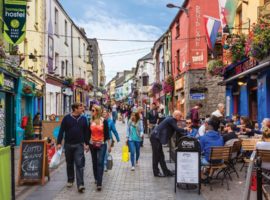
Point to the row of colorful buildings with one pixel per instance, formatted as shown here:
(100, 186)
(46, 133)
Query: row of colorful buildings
(181, 70)
(55, 65)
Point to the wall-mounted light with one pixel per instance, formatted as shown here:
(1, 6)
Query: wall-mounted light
(241, 83)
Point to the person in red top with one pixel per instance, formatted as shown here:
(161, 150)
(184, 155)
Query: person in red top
(99, 135)
(194, 115)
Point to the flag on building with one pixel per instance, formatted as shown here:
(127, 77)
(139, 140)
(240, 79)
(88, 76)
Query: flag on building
(212, 26)
(227, 11)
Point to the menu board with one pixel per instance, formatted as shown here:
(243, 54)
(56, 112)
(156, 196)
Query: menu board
(2, 121)
(33, 161)
(188, 167)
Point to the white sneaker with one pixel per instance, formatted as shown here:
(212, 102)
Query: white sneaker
(133, 168)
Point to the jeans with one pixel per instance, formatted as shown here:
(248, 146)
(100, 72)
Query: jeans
(158, 157)
(106, 156)
(98, 156)
(114, 116)
(134, 146)
(75, 154)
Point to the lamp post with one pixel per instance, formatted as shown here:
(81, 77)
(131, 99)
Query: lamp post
(170, 5)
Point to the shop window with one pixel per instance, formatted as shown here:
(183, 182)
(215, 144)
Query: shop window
(239, 19)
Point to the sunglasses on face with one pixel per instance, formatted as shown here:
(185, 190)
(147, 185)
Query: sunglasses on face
(188, 122)
(93, 110)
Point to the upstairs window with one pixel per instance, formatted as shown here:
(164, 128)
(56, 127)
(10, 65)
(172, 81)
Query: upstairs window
(177, 29)
(56, 23)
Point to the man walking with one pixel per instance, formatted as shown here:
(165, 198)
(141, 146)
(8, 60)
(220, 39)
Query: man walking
(162, 135)
(75, 128)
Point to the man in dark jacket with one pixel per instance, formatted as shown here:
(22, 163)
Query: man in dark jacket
(77, 135)
(162, 135)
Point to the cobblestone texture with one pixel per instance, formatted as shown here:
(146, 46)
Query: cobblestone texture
(122, 184)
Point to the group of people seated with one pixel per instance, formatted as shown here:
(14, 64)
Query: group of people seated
(216, 131)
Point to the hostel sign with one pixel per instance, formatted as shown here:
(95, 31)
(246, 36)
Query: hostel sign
(14, 21)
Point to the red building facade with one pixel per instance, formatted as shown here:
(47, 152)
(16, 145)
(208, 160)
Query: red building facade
(189, 56)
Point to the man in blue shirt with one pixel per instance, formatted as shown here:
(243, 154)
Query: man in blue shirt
(211, 138)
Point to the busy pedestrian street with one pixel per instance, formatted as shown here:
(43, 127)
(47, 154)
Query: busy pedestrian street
(135, 99)
(122, 183)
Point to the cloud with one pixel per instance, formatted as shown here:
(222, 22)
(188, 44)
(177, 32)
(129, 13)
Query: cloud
(99, 23)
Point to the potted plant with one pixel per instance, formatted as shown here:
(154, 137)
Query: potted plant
(29, 130)
(27, 89)
(215, 67)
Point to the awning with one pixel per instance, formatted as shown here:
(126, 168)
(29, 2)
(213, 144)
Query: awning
(247, 72)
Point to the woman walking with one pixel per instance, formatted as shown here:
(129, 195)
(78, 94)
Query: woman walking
(99, 136)
(134, 137)
(114, 112)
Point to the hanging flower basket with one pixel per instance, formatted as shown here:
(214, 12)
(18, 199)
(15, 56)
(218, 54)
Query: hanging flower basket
(27, 89)
(156, 88)
(168, 84)
(68, 82)
(215, 67)
(259, 38)
(80, 82)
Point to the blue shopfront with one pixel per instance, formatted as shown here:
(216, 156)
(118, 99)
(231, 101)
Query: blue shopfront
(248, 89)
(25, 106)
(8, 83)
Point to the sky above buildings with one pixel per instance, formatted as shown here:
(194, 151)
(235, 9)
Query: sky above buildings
(124, 20)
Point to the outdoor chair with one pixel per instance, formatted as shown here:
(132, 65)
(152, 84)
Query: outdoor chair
(235, 150)
(248, 145)
(219, 159)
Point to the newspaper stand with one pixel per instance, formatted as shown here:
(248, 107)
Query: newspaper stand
(188, 164)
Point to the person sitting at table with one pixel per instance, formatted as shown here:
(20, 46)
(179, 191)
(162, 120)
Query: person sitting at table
(190, 130)
(265, 143)
(236, 119)
(202, 130)
(212, 138)
(246, 127)
(229, 135)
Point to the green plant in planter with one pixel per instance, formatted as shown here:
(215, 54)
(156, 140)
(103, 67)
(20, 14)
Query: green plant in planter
(215, 67)
(238, 46)
(29, 130)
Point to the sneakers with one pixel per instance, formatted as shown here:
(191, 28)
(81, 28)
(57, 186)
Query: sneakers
(81, 189)
(69, 184)
(133, 168)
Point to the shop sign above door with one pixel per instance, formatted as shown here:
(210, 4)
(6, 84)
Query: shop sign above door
(7, 83)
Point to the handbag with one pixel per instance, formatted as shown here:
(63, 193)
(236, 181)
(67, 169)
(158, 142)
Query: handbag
(125, 153)
(96, 145)
(109, 162)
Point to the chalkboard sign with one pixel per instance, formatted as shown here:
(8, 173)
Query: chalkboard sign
(188, 162)
(33, 164)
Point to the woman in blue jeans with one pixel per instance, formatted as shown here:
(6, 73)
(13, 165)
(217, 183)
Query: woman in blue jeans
(134, 137)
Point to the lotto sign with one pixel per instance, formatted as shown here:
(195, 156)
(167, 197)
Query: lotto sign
(14, 21)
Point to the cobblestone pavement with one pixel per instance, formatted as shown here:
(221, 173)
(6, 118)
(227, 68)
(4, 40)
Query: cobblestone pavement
(122, 183)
